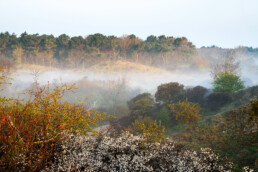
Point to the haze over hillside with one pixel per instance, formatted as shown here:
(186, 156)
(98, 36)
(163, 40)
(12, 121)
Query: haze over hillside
(139, 85)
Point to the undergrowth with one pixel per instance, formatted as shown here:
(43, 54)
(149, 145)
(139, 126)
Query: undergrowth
(30, 129)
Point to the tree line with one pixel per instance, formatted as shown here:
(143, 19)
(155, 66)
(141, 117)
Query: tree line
(82, 51)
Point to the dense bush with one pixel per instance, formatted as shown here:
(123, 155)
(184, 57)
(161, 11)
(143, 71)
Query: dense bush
(218, 99)
(243, 96)
(196, 94)
(254, 110)
(231, 134)
(141, 105)
(30, 130)
(126, 153)
(149, 129)
(169, 92)
(186, 112)
(164, 117)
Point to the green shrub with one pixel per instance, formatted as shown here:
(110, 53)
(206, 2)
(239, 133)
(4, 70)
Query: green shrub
(164, 117)
(227, 82)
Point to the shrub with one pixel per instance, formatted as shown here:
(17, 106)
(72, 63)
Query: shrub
(196, 94)
(227, 82)
(218, 99)
(30, 130)
(231, 134)
(186, 112)
(254, 110)
(169, 93)
(149, 129)
(141, 105)
(164, 117)
(125, 153)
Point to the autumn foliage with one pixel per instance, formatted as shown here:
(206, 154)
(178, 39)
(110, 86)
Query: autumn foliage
(149, 129)
(169, 92)
(31, 129)
(231, 134)
(186, 112)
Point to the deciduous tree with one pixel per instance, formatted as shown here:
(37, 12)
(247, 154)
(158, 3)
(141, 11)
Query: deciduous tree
(227, 82)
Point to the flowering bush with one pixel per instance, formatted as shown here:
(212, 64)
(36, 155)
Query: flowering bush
(125, 153)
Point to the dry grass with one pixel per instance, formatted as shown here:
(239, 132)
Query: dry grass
(35, 67)
(125, 66)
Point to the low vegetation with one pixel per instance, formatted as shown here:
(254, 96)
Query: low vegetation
(149, 129)
(186, 112)
(31, 129)
(176, 129)
(226, 122)
(128, 153)
(232, 134)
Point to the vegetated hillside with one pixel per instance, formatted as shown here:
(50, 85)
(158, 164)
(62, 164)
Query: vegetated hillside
(199, 118)
(46, 131)
(233, 134)
(194, 115)
(240, 98)
(125, 66)
(231, 130)
(35, 67)
(147, 118)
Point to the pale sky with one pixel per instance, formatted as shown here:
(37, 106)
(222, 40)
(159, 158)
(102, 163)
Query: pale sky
(225, 23)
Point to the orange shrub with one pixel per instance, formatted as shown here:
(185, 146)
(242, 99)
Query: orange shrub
(31, 129)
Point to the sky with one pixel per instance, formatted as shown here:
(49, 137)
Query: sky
(224, 23)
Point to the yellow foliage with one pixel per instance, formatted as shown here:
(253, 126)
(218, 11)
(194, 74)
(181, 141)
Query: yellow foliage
(3, 78)
(186, 112)
(33, 127)
(151, 131)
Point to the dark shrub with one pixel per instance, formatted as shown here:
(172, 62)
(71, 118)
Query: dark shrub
(141, 105)
(218, 99)
(196, 94)
(169, 93)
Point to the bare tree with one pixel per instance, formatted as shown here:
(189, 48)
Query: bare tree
(114, 93)
(229, 64)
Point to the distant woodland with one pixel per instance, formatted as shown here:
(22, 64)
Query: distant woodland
(73, 52)
(78, 51)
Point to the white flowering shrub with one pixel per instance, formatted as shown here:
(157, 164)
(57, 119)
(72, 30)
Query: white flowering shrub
(127, 153)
